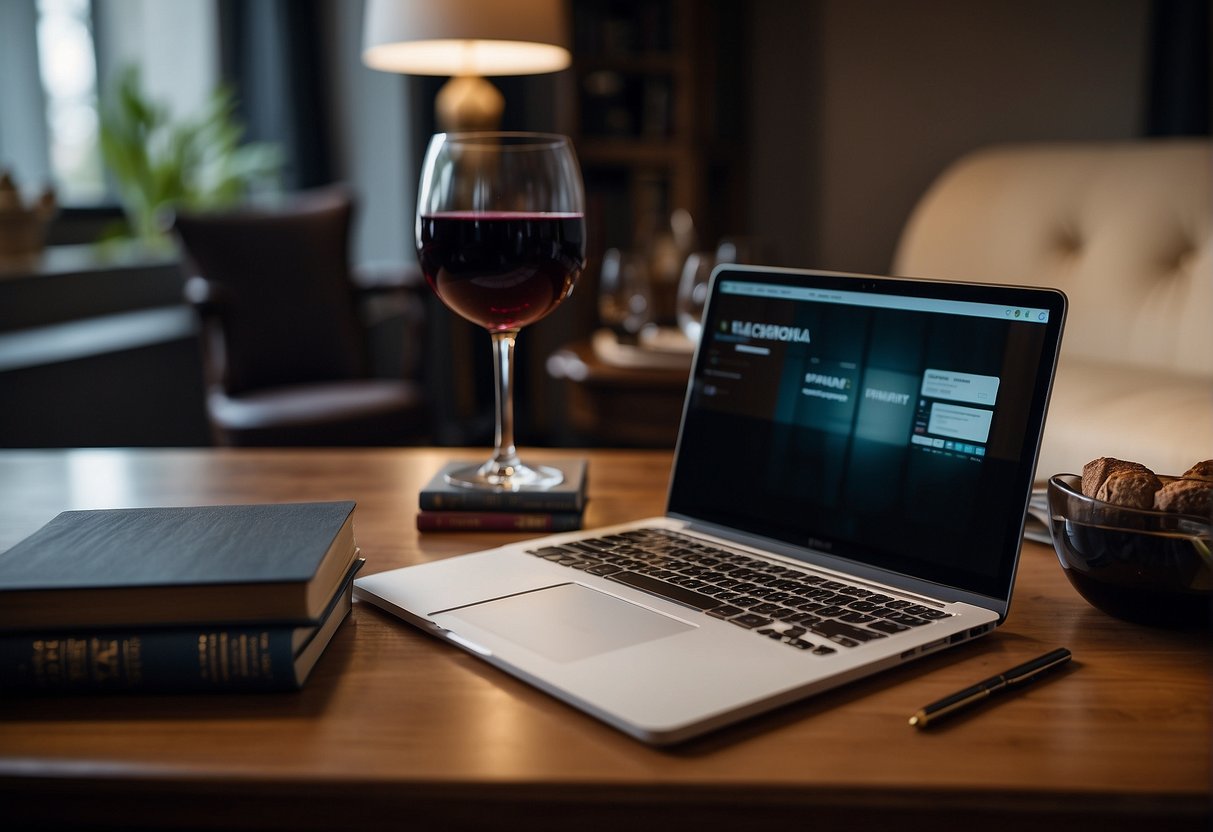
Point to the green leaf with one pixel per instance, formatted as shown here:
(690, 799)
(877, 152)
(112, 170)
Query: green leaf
(197, 162)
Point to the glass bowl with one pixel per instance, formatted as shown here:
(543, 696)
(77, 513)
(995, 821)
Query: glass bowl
(1148, 567)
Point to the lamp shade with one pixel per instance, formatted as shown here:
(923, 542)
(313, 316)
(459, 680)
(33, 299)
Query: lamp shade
(465, 37)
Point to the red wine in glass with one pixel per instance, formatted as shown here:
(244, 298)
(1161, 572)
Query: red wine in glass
(501, 240)
(501, 270)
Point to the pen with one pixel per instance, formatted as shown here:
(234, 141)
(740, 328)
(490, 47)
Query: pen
(1016, 676)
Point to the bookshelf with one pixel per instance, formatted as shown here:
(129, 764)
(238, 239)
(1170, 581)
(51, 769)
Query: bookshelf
(657, 117)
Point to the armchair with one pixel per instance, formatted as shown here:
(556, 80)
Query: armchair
(284, 349)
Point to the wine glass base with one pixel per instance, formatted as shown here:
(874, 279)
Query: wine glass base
(493, 476)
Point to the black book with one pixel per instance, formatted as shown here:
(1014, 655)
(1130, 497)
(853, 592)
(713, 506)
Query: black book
(198, 659)
(569, 496)
(150, 567)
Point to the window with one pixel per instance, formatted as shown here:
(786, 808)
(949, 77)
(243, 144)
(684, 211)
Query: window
(57, 58)
(67, 62)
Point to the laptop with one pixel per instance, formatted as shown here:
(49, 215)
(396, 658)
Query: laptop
(849, 489)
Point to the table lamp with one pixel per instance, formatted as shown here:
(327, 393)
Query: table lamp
(466, 39)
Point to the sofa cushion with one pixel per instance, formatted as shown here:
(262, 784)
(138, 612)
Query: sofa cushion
(1126, 231)
(1163, 420)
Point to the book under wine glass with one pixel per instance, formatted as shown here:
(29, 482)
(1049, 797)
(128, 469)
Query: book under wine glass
(456, 508)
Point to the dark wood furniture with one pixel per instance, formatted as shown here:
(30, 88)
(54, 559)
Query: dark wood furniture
(100, 330)
(397, 729)
(284, 343)
(617, 405)
(658, 116)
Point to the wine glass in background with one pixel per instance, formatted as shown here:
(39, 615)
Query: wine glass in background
(693, 292)
(697, 273)
(501, 241)
(624, 300)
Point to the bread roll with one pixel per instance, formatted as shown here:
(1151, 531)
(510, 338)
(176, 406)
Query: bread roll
(1200, 471)
(1130, 487)
(1186, 497)
(1097, 471)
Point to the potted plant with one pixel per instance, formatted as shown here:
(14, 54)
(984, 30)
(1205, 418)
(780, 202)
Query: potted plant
(159, 164)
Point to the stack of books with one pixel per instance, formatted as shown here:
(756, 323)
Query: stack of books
(205, 598)
(446, 507)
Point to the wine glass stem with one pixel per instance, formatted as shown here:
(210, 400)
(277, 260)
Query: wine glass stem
(505, 454)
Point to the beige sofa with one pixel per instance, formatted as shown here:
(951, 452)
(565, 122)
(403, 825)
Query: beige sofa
(1126, 231)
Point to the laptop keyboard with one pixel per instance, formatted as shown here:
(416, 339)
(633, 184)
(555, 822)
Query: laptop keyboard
(805, 611)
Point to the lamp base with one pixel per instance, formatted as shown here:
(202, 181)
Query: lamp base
(468, 102)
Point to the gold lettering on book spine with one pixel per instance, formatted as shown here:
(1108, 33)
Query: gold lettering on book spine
(47, 660)
(75, 660)
(225, 658)
(105, 660)
(204, 657)
(242, 656)
(72, 662)
(132, 655)
(267, 660)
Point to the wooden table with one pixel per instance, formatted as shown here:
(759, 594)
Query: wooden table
(397, 728)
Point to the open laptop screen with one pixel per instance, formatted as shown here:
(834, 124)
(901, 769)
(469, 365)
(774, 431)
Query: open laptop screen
(890, 422)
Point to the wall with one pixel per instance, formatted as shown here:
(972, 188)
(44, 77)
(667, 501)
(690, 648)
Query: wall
(23, 139)
(174, 44)
(372, 142)
(859, 104)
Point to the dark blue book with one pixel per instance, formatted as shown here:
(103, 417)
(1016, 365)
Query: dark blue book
(569, 496)
(154, 567)
(232, 659)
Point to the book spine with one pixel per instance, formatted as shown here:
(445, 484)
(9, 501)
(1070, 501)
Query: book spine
(516, 501)
(237, 659)
(499, 521)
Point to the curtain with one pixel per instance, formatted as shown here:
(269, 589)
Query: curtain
(273, 56)
(1178, 96)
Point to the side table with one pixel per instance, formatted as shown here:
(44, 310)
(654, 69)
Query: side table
(623, 404)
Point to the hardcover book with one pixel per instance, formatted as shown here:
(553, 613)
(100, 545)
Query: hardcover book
(234, 659)
(569, 496)
(499, 521)
(145, 567)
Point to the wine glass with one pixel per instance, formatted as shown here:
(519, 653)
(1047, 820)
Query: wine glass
(696, 277)
(693, 292)
(501, 241)
(624, 301)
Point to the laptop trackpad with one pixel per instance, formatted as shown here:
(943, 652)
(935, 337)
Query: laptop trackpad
(564, 623)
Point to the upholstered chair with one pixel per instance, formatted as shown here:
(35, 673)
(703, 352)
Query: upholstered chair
(284, 342)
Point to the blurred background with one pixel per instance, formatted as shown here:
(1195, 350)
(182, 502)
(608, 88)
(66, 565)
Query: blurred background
(788, 132)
